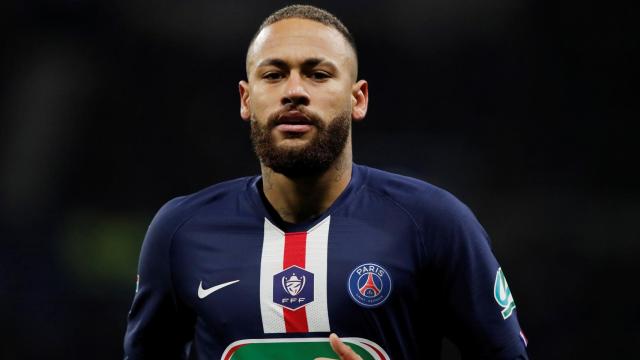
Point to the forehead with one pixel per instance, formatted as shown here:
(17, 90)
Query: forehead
(298, 39)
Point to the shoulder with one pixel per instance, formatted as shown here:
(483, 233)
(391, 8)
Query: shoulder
(449, 229)
(429, 205)
(180, 209)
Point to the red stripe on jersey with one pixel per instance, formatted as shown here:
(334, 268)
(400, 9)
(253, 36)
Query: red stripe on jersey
(295, 250)
(295, 321)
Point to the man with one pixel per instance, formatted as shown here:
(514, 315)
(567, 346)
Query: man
(267, 267)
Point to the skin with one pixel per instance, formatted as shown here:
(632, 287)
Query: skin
(343, 351)
(303, 62)
(309, 64)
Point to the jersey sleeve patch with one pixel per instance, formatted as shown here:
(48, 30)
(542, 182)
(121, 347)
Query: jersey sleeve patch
(502, 294)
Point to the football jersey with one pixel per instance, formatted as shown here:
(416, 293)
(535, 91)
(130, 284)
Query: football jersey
(393, 266)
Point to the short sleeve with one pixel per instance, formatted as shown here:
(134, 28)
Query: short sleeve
(479, 314)
(158, 325)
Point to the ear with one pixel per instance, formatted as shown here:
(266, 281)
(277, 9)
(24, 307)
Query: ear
(360, 100)
(245, 110)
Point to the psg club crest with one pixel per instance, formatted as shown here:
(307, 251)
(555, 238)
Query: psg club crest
(369, 285)
(293, 287)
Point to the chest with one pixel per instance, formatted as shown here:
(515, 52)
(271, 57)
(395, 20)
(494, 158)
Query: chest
(252, 279)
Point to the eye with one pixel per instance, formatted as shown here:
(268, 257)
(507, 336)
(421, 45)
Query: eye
(272, 76)
(319, 75)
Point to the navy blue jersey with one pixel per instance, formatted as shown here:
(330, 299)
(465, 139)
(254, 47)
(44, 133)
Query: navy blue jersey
(393, 266)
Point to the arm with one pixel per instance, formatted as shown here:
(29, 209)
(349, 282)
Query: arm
(480, 311)
(158, 325)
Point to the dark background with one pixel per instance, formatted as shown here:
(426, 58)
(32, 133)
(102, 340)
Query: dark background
(523, 109)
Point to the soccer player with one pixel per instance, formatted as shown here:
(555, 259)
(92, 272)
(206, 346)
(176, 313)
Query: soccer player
(267, 267)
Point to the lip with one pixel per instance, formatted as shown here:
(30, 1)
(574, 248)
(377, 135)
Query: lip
(293, 121)
(294, 128)
(293, 117)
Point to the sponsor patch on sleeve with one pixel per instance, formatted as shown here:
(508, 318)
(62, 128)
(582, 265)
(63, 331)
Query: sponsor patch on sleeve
(502, 294)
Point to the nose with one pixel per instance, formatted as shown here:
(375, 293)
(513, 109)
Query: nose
(295, 92)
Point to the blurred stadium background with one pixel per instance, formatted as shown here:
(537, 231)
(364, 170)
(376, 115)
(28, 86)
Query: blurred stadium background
(523, 109)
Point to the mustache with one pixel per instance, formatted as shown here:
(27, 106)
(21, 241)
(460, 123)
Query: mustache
(309, 117)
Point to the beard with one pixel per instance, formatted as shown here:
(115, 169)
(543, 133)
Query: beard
(311, 159)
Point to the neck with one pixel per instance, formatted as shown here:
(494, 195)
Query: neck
(302, 198)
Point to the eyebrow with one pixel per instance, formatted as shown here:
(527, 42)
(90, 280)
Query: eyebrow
(308, 63)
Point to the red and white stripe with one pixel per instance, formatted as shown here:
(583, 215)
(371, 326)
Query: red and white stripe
(524, 339)
(307, 250)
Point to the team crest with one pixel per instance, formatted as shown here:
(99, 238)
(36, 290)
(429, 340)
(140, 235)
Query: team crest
(369, 285)
(502, 294)
(293, 287)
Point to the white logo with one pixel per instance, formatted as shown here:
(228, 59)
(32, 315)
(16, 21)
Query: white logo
(202, 293)
(293, 285)
(502, 294)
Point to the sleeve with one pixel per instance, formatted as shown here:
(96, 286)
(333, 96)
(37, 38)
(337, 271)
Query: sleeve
(480, 316)
(159, 326)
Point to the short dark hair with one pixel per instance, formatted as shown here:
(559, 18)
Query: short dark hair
(310, 13)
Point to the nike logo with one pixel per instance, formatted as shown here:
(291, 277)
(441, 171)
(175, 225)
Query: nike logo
(202, 293)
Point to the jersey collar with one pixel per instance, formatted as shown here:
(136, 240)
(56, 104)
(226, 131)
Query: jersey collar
(264, 208)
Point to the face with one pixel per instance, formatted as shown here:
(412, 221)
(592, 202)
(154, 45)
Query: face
(301, 96)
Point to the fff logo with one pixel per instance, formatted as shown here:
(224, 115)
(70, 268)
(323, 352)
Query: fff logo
(293, 287)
